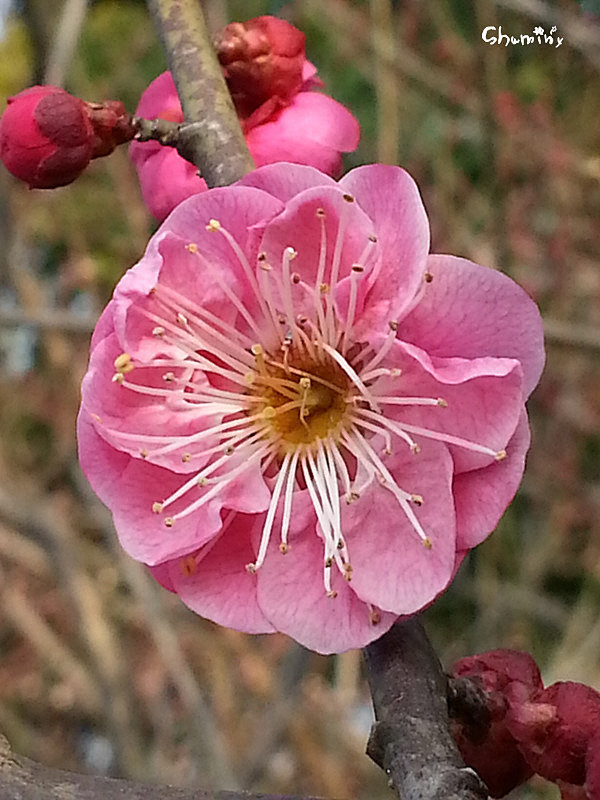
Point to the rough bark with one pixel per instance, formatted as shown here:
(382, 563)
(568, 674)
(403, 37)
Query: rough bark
(411, 737)
(23, 779)
(213, 139)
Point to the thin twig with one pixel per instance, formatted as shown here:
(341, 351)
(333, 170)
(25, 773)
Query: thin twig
(214, 140)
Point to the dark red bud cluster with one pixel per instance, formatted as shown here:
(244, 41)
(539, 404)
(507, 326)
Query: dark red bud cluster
(262, 61)
(495, 755)
(48, 136)
(553, 731)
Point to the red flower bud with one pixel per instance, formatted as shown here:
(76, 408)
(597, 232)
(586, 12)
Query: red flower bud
(498, 668)
(555, 729)
(592, 768)
(111, 124)
(46, 137)
(262, 60)
(506, 676)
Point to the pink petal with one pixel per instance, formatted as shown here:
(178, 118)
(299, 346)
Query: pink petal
(285, 181)
(130, 487)
(159, 96)
(166, 179)
(390, 197)
(241, 210)
(124, 411)
(300, 227)
(476, 311)
(392, 569)
(482, 496)
(292, 596)
(312, 130)
(484, 397)
(221, 589)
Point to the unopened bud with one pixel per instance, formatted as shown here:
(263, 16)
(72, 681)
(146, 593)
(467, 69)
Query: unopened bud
(262, 60)
(48, 136)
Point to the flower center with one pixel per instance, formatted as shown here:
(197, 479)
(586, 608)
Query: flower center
(304, 400)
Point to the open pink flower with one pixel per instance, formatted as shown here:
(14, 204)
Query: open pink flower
(311, 129)
(300, 419)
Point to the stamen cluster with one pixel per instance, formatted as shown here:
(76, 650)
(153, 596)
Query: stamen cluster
(298, 451)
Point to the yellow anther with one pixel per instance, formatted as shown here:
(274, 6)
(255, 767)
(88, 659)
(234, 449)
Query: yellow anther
(118, 377)
(188, 566)
(395, 372)
(143, 453)
(157, 507)
(249, 378)
(304, 382)
(213, 225)
(202, 481)
(158, 331)
(500, 455)
(169, 522)
(269, 412)
(427, 543)
(441, 402)
(324, 288)
(182, 319)
(374, 616)
(192, 247)
(352, 497)
(291, 253)
(284, 548)
(123, 363)
(417, 499)
(97, 418)
(251, 568)
(186, 457)
(415, 449)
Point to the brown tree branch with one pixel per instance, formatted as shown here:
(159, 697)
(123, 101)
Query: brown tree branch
(23, 779)
(411, 738)
(213, 139)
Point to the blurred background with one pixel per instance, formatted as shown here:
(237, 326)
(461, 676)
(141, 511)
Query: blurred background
(100, 669)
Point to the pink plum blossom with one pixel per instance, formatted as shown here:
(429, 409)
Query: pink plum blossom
(311, 128)
(300, 419)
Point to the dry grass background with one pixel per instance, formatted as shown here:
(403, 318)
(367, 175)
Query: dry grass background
(102, 670)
